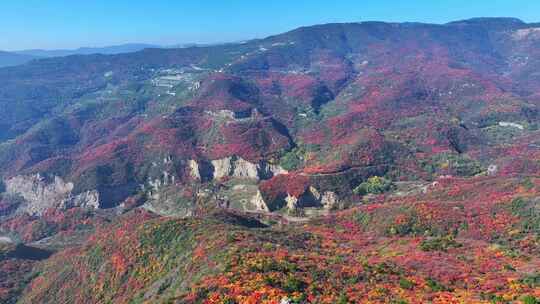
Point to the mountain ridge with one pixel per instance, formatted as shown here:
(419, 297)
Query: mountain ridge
(113, 49)
(105, 50)
(11, 59)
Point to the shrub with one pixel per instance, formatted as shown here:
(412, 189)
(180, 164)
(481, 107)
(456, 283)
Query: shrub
(435, 286)
(492, 298)
(527, 183)
(439, 244)
(293, 284)
(530, 300)
(268, 265)
(293, 160)
(528, 214)
(466, 167)
(406, 284)
(532, 280)
(457, 164)
(362, 218)
(374, 185)
(229, 301)
(342, 299)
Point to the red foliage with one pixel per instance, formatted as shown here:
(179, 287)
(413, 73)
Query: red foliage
(281, 185)
(249, 140)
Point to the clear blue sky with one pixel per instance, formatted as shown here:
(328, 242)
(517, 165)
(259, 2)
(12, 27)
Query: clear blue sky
(73, 23)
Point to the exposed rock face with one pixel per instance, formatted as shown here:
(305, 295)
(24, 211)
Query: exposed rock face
(200, 170)
(223, 114)
(492, 170)
(315, 193)
(267, 171)
(194, 170)
(165, 197)
(88, 199)
(259, 202)
(154, 186)
(511, 124)
(40, 194)
(233, 167)
(292, 202)
(529, 33)
(169, 204)
(5, 240)
(329, 200)
(312, 198)
(229, 115)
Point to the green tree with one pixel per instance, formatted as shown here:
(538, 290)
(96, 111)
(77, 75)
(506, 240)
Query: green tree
(374, 185)
(530, 300)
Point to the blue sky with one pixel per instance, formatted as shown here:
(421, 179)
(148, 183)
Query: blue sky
(73, 23)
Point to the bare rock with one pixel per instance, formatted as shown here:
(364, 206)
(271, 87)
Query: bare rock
(329, 200)
(259, 202)
(492, 170)
(315, 193)
(5, 240)
(40, 194)
(194, 170)
(233, 166)
(88, 199)
(292, 202)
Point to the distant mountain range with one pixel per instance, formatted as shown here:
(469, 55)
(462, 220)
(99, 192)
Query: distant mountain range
(107, 50)
(13, 58)
(9, 59)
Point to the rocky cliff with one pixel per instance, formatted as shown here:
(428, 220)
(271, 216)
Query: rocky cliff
(40, 193)
(233, 166)
(310, 198)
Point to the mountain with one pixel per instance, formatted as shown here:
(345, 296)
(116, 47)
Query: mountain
(115, 49)
(337, 163)
(11, 59)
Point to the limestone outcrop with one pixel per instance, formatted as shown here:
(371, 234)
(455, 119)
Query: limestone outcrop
(233, 166)
(194, 170)
(259, 202)
(40, 194)
(329, 200)
(88, 199)
(311, 198)
(292, 202)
